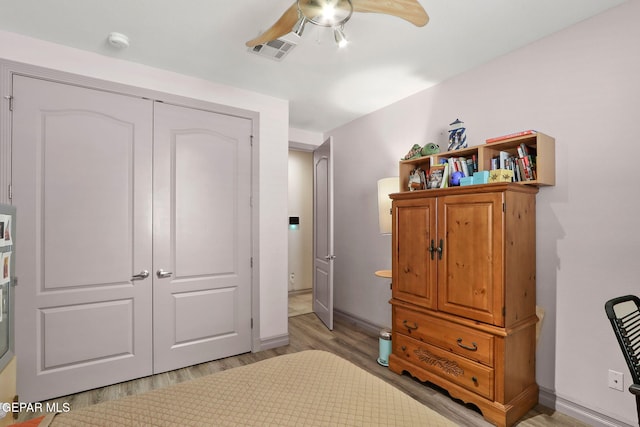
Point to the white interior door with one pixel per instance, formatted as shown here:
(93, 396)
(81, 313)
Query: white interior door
(202, 236)
(82, 185)
(323, 256)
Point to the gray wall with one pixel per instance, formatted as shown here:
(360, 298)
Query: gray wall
(580, 86)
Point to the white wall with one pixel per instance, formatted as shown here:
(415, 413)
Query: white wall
(273, 148)
(301, 205)
(301, 139)
(582, 87)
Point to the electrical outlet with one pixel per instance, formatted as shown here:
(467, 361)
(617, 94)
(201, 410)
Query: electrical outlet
(616, 380)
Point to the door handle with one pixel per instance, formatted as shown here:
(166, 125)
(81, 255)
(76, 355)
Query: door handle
(440, 249)
(330, 257)
(163, 274)
(140, 276)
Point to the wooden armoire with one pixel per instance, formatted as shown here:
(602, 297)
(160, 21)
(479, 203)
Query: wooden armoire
(464, 294)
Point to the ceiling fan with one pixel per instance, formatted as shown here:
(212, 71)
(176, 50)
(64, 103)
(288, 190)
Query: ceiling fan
(334, 14)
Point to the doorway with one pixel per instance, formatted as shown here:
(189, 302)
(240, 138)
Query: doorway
(300, 232)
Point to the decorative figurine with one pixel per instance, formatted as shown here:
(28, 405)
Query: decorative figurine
(457, 136)
(430, 148)
(414, 153)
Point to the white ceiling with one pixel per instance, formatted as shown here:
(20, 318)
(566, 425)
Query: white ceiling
(387, 59)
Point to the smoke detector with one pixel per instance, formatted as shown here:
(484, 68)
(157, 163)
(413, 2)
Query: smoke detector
(118, 40)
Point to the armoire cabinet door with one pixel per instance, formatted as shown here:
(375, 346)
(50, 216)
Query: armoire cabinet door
(470, 274)
(415, 258)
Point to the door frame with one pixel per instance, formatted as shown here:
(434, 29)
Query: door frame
(311, 148)
(10, 68)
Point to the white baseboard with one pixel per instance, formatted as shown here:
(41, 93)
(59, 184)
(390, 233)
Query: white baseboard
(367, 326)
(272, 342)
(549, 399)
(294, 292)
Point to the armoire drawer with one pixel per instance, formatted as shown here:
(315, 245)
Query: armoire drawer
(467, 342)
(459, 370)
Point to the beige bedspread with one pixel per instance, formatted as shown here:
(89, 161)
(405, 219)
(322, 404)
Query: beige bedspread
(310, 388)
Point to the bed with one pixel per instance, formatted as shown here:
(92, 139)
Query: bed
(309, 388)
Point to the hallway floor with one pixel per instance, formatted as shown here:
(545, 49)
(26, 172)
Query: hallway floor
(300, 303)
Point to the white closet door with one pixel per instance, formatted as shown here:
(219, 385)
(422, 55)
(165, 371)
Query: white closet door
(82, 186)
(202, 236)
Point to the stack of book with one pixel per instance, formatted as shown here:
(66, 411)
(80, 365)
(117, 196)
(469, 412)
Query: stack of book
(463, 165)
(523, 165)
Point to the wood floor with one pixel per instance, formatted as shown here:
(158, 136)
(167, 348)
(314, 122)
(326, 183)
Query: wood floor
(300, 302)
(307, 332)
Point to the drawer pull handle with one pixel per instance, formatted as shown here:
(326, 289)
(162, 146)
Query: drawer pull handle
(404, 348)
(475, 380)
(466, 347)
(409, 327)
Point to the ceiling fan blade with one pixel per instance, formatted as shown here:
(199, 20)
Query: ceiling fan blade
(280, 28)
(409, 10)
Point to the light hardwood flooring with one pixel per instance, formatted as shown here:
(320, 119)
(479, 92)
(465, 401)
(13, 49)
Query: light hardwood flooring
(300, 303)
(346, 340)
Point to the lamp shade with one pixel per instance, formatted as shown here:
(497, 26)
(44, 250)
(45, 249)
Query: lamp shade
(386, 186)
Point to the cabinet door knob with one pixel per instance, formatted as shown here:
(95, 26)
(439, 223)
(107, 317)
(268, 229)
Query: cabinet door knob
(432, 248)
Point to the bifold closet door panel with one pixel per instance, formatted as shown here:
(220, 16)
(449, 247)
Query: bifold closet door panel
(82, 187)
(202, 236)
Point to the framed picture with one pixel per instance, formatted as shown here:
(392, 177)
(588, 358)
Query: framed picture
(436, 175)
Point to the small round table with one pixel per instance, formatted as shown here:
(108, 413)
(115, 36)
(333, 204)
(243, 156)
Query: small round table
(384, 273)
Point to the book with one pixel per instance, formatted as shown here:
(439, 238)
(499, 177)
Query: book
(417, 180)
(503, 156)
(511, 135)
(472, 165)
(436, 175)
(465, 167)
(528, 168)
(445, 176)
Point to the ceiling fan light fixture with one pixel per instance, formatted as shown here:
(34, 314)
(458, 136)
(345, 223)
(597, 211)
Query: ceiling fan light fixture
(326, 13)
(298, 28)
(312, 11)
(341, 39)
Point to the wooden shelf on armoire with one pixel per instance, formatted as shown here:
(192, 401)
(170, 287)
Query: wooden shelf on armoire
(544, 146)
